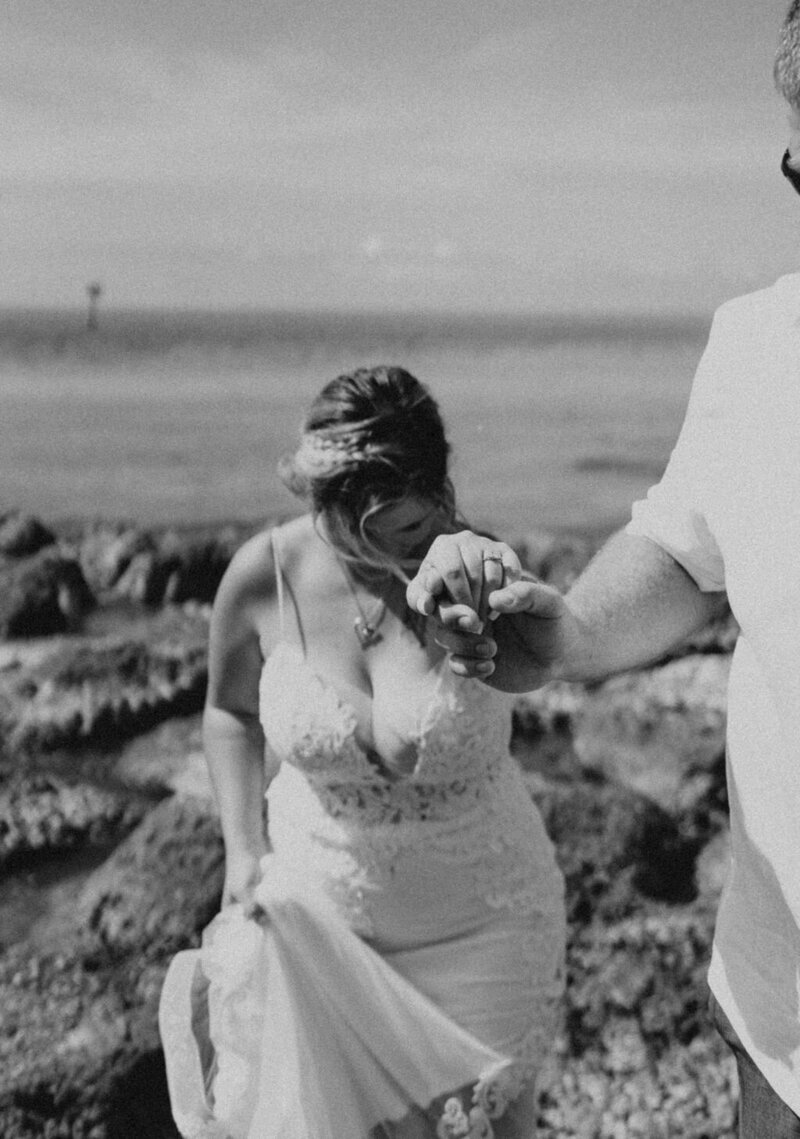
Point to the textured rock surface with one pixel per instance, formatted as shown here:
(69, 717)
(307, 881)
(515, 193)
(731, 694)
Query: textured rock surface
(79, 1048)
(658, 731)
(629, 776)
(42, 594)
(105, 552)
(616, 848)
(73, 691)
(43, 813)
(638, 1057)
(22, 535)
(157, 567)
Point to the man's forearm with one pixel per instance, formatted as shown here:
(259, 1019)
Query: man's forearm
(631, 605)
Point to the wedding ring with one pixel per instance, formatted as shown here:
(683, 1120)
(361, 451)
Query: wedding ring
(493, 558)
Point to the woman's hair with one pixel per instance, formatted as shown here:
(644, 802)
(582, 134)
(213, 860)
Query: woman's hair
(371, 438)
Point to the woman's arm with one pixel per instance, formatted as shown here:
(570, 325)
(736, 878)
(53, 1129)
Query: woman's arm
(233, 740)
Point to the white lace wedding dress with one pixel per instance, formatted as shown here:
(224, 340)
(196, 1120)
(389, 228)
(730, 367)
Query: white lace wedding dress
(407, 979)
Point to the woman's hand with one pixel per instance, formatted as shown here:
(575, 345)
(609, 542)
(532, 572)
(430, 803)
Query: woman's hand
(458, 576)
(242, 875)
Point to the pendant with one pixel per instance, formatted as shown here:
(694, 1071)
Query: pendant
(367, 634)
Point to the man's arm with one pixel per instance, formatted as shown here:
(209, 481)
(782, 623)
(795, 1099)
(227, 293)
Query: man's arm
(631, 604)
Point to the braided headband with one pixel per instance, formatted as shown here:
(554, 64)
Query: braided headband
(319, 455)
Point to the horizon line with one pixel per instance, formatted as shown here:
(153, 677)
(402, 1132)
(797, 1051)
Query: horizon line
(584, 316)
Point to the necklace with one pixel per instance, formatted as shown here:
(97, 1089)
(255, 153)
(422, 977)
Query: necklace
(367, 629)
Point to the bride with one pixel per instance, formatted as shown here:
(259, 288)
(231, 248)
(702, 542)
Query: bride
(390, 964)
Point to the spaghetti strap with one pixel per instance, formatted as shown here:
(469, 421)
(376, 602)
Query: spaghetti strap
(278, 580)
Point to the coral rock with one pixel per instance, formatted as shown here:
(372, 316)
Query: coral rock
(79, 1051)
(41, 595)
(22, 535)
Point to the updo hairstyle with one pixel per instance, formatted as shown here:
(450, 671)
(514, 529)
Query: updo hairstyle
(371, 438)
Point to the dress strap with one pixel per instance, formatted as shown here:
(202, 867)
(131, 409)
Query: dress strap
(285, 593)
(278, 580)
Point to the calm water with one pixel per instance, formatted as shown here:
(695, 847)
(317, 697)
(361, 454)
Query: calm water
(181, 417)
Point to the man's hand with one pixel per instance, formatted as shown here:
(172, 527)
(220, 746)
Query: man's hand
(524, 643)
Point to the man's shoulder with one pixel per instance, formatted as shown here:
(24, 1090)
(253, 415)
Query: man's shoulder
(752, 337)
(783, 296)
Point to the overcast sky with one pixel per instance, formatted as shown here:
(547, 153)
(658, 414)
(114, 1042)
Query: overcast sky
(541, 155)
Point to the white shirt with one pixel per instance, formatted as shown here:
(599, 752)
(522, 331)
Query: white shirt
(728, 510)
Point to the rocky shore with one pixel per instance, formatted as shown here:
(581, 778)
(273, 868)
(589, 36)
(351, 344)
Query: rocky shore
(111, 858)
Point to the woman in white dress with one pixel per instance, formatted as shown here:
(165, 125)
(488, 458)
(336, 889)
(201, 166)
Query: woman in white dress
(390, 963)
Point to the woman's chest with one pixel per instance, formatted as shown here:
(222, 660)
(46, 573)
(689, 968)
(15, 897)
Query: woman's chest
(414, 721)
(330, 690)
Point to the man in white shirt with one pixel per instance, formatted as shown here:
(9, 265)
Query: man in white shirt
(724, 521)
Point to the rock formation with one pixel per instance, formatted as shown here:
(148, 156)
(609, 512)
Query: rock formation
(101, 764)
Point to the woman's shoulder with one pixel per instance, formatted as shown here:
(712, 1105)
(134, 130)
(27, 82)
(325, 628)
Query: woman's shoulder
(253, 568)
(293, 538)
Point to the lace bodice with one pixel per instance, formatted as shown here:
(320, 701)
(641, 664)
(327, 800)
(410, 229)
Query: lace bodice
(464, 802)
(461, 737)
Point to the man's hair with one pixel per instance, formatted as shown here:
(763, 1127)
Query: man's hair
(787, 57)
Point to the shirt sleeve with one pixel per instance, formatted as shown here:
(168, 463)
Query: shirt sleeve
(675, 514)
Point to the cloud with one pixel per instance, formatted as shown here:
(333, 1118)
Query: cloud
(502, 106)
(366, 146)
(373, 247)
(130, 111)
(409, 257)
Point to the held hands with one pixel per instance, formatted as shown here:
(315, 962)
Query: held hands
(459, 575)
(467, 582)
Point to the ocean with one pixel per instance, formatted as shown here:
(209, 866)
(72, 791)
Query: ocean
(175, 417)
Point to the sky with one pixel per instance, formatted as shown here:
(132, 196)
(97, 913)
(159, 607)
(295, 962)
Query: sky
(546, 156)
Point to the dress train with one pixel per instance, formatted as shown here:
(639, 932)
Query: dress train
(294, 1028)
